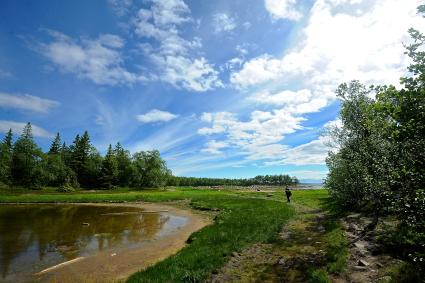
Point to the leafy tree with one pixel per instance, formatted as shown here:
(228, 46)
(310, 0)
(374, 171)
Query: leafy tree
(149, 169)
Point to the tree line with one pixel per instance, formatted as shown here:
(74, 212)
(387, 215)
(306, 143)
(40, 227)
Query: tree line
(269, 180)
(380, 163)
(23, 163)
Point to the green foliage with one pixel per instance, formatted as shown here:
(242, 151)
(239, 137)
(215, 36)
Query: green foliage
(109, 171)
(380, 163)
(268, 180)
(24, 164)
(26, 161)
(319, 276)
(149, 169)
(6, 158)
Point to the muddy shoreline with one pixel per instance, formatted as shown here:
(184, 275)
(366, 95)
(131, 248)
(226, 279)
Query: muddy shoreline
(117, 265)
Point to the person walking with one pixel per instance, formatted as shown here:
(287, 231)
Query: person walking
(288, 194)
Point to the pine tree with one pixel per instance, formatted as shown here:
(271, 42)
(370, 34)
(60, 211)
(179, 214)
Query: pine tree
(6, 158)
(25, 160)
(123, 159)
(55, 148)
(109, 171)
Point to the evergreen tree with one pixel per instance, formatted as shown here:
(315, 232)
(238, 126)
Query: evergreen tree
(109, 172)
(123, 159)
(55, 148)
(26, 159)
(6, 158)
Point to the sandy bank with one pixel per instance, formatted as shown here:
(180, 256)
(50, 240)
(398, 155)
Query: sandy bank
(112, 266)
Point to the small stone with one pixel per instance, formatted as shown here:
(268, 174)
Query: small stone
(85, 224)
(235, 254)
(360, 268)
(114, 254)
(363, 263)
(379, 264)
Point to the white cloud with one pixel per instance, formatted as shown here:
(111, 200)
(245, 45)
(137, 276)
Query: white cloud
(156, 115)
(26, 102)
(120, 7)
(339, 44)
(214, 147)
(283, 9)
(223, 23)
(314, 152)
(17, 128)
(175, 57)
(98, 60)
(258, 138)
(342, 41)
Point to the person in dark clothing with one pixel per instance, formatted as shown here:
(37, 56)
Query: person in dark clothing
(288, 194)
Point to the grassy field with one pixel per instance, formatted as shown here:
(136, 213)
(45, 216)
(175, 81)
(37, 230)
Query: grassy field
(243, 218)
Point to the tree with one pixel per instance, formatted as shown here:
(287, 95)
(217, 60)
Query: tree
(26, 160)
(123, 159)
(109, 171)
(149, 169)
(55, 148)
(6, 158)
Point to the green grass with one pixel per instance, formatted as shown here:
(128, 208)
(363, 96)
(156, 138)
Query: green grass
(244, 218)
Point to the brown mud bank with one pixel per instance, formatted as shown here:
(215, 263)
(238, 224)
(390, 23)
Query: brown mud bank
(117, 265)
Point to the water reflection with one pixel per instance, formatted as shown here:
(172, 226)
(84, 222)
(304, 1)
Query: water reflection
(33, 237)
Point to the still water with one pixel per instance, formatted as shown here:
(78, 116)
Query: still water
(35, 237)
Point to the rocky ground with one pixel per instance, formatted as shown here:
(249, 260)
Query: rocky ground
(301, 247)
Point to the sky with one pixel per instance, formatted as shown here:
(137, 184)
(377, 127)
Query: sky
(221, 88)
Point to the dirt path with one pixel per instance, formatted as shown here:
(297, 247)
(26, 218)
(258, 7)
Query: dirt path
(298, 248)
(112, 266)
(302, 246)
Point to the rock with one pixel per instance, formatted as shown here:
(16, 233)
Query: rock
(355, 215)
(363, 263)
(379, 264)
(359, 245)
(235, 254)
(360, 268)
(85, 224)
(114, 254)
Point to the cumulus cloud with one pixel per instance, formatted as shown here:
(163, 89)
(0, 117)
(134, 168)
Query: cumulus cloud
(26, 102)
(257, 138)
(174, 57)
(156, 115)
(98, 60)
(17, 128)
(343, 40)
(223, 23)
(283, 9)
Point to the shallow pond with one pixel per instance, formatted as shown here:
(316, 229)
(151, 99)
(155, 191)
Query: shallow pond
(35, 237)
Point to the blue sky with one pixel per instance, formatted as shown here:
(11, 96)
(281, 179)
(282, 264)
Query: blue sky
(221, 88)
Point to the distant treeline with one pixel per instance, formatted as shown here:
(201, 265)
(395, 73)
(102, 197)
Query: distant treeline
(274, 180)
(23, 163)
